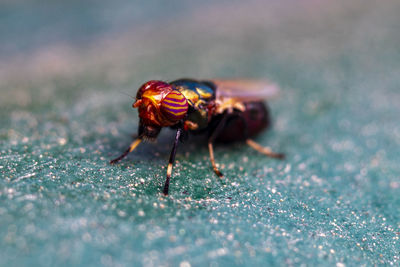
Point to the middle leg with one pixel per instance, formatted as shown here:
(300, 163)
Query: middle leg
(211, 139)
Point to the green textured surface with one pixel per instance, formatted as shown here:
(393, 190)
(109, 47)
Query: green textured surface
(335, 200)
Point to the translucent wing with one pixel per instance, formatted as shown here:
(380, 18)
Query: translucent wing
(245, 90)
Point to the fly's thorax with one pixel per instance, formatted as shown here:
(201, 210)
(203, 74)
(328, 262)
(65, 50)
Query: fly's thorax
(200, 95)
(228, 104)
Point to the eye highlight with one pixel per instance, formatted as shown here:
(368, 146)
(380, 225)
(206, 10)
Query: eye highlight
(174, 106)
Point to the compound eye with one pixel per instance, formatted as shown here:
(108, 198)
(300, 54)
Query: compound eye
(151, 85)
(174, 106)
(140, 91)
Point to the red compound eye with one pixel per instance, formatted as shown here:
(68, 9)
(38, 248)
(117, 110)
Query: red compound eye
(174, 106)
(151, 85)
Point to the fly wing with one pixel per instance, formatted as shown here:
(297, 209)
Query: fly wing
(246, 90)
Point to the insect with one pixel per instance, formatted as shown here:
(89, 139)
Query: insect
(225, 110)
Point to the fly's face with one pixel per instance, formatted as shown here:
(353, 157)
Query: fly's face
(160, 105)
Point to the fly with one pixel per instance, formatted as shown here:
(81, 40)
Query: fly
(225, 110)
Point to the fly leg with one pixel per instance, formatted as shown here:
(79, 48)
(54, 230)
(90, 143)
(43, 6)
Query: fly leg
(263, 150)
(211, 139)
(171, 161)
(129, 150)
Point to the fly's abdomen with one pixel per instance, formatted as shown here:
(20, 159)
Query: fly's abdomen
(254, 119)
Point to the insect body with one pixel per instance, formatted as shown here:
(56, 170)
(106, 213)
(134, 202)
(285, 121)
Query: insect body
(226, 110)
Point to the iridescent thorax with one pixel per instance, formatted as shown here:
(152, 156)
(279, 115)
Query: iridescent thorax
(201, 98)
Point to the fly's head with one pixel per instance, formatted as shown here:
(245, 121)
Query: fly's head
(160, 105)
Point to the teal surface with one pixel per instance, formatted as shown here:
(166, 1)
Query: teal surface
(334, 201)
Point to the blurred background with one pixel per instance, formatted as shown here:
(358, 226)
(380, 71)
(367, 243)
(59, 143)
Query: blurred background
(65, 67)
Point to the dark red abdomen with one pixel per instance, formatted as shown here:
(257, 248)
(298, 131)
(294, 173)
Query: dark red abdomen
(249, 123)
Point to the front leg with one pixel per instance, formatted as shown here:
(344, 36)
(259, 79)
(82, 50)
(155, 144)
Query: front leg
(171, 161)
(129, 150)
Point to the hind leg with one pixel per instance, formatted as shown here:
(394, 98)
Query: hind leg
(264, 150)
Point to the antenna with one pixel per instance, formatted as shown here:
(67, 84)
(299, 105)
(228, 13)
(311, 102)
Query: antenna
(126, 94)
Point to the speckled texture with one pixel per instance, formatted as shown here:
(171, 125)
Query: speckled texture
(335, 200)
